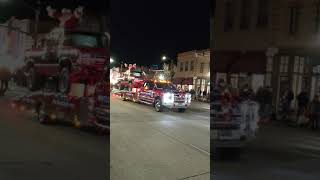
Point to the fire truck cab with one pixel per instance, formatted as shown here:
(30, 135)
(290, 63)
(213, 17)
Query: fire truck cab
(60, 53)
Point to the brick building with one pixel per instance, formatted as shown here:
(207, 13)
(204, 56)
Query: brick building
(270, 42)
(193, 70)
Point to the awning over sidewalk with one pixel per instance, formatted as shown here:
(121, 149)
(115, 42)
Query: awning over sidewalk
(188, 81)
(237, 61)
(183, 81)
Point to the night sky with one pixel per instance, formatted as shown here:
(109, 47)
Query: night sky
(143, 30)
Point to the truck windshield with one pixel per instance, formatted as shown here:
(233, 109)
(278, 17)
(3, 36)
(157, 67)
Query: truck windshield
(137, 74)
(166, 86)
(86, 40)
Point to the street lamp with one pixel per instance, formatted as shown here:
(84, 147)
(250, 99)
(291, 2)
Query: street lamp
(164, 58)
(111, 60)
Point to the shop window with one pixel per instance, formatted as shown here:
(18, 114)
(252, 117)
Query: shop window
(284, 64)
(296, 64)
(301, 65)
(234, 80)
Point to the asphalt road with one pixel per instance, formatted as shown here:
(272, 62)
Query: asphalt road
(31, 151)
(279, 152)
(162, 146)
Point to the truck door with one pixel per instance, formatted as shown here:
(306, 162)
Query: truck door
(143, 93)
(146, 92)
(150, 92)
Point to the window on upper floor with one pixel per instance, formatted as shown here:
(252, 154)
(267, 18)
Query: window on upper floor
(245, 14)
(186, 66)
(192, 65)
(201, 67)
(229, 15)
(294, 19)
(317, 16)
(181, 66)
(263, 13)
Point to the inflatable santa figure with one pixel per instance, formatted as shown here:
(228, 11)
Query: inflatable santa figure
(67, 18)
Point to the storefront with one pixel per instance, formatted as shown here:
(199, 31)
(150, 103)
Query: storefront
(193, 83)
(297, 70)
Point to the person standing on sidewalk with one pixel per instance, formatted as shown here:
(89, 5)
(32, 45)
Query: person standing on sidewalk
(315, 112)
(204, 95)
(303, 101)
(287, 98)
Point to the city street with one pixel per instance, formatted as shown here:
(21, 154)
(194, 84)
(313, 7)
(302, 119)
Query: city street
(146, 144)
(31, 151)
(279, 152)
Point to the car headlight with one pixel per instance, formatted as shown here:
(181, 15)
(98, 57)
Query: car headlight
(168, 98)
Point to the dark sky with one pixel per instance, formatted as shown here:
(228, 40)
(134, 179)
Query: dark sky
(143, 30)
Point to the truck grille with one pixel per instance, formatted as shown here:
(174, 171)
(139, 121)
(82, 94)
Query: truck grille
(178, 98)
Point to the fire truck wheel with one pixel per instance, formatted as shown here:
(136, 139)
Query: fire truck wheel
(63, 85)
(43, 118)
(181, 110)
(32, 79)
(135, 98)
(158, 105)
(124, 98)
(76, 122)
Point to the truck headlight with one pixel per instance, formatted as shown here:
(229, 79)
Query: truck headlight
(168, 98)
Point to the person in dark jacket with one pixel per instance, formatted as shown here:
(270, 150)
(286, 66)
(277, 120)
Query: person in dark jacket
(288, 98)
(246, 93)
(264, 98)
(315, 112)
(303, 101)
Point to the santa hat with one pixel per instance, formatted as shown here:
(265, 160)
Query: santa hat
(78, 12)
(51, 11)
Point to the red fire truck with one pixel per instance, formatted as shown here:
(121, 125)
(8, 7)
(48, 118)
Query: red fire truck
(75, 62)
(160, 94)
(58, 59)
